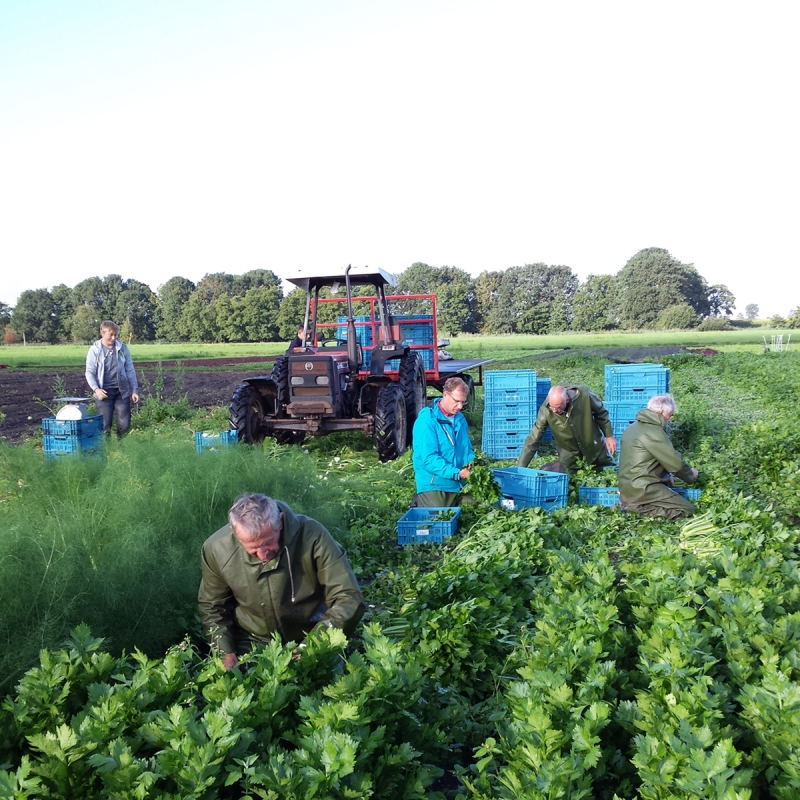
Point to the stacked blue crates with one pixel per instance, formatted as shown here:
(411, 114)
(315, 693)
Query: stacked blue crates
(628, 387)
(417, 332)
(510, 403)
(542, 390)
(65, 437)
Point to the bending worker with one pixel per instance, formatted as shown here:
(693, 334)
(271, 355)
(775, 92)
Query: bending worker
(273, 571)
(443, 453)
(648, 462)
(580, 425)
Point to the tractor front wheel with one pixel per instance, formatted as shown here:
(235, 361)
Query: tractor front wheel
(280, 374)
(245, 414)
(390, 423)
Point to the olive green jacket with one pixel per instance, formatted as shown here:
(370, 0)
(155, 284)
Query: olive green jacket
(647, 456)
(308, 584)
(576, 433)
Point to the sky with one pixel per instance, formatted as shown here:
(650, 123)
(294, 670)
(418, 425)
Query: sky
(159, 138)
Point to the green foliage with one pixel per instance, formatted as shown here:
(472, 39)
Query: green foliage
(580, 653)
(677, 317)
(715, 324)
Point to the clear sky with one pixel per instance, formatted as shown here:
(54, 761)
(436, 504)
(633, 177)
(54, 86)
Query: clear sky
(154, 138)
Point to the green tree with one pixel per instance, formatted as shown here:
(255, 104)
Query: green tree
(456, 300)
(678, 317)
(226, 313)
(652, 281)
(241, 284)
(84, 325)
(64, 309)
(172, 297)
(136, 310)
(5, 315)
(35, 317)
(751, 311)
(291, 314)
(198, 321)
(721, 301)
(594, 305)
(214, 284)
(793, 320)
(535, 298)
(259, 311)
(487, 294)
(777, 321)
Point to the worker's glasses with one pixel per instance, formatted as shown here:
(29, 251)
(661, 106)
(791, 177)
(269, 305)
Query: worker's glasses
(455, 401)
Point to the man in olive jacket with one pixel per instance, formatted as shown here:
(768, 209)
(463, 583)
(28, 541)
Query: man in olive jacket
(579, 422)
(271, 570)
(648, 462)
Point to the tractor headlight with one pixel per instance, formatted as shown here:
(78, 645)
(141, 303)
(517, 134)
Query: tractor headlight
(322, 380)
(298, 381)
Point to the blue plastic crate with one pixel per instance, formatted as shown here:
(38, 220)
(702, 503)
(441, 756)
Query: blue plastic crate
(493, 424)
(635, 382)
(503, 380)
(419, 333)
(501, 451)
(502, 440)
(609, 495)
(86, 444)
(420, 525)
(598, 495)
(90, 425)
(533, 487)
(517, 503)
(208, 441)
(543, 386)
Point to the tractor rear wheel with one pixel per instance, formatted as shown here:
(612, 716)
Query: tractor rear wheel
(245, 414)
(415, 389)
(280, 374)
(390, 422)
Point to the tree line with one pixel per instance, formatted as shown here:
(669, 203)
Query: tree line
(653, 290)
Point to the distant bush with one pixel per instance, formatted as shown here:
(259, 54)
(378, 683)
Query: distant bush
(677, 317)
(794, 318)
(777, 321)
(715, 324)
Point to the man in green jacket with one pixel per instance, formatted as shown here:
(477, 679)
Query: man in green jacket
(648, 463)
(580, 425)
(271, 570)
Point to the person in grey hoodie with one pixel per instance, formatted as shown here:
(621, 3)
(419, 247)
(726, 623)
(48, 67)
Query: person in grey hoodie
(112, 378)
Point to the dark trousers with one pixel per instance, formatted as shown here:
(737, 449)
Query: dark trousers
(115, 404)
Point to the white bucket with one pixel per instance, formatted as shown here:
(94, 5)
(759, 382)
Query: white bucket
(72, 411)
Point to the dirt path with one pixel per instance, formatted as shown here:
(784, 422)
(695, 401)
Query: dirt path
(26, 394)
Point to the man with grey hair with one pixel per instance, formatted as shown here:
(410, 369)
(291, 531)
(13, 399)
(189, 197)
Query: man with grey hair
(580, 425)
(648, 464)
(269, 571)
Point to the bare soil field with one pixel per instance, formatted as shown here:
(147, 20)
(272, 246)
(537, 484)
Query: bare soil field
(26, 395)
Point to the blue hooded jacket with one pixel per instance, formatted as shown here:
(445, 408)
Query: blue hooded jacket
(441, 449)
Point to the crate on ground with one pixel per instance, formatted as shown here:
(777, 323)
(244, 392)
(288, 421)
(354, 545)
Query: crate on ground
(609, 495)
(85, 444)
(427, 525)
(635, 382)
(598, 495)
(532, 487)
(210, 441)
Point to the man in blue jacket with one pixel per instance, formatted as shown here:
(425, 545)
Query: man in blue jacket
(443, 453)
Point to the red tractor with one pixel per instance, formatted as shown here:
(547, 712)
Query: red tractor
(341, 383)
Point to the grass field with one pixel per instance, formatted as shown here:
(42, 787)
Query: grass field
(465, 346)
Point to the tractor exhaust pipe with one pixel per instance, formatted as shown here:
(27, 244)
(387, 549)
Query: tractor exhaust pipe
(352, 343)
